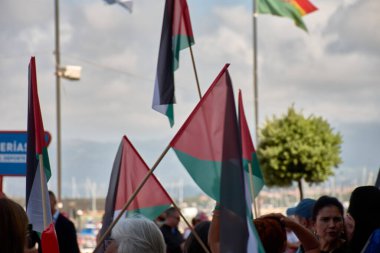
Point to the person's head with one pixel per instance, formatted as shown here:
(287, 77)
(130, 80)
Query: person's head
(364, 208)
(328, 220)
(138, 235)
(192, 245)
(13, 227)
(201, 216)
(160, 220)
(272, 234)
(53, 202)
(172, 217)
(303, 212)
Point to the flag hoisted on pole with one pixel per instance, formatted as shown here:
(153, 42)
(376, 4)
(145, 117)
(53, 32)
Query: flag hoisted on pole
(38, 167)
(128, 4)
(249, 152)
(293, 9)
(253, 177)
(176, 35)
(208, 145)
(129, 169)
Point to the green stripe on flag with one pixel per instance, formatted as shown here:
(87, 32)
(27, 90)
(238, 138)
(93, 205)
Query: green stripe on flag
(170, 114)
(46, 163)
(149, 212)
(205, 173)
(258, 181)
(283, 9)
(180, 42)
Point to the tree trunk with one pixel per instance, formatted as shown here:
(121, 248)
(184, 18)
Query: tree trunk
(300, 189)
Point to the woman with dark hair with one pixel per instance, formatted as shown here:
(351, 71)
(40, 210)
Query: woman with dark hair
(328, 224)
(13, 227)
(363, 220)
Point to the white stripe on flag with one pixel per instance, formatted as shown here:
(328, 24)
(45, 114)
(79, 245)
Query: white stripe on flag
(157, 101)
(34, 208)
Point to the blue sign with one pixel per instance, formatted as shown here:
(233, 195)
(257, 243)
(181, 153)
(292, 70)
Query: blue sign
(13, 146)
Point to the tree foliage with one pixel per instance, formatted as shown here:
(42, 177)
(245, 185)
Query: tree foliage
(295, 148)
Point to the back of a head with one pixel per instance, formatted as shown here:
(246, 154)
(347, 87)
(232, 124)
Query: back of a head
(192, 245)
(13, 226)
(365, 210)
(138, 235)
(272, 234)
(303, 209)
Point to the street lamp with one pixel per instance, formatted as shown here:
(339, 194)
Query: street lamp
(67, 72)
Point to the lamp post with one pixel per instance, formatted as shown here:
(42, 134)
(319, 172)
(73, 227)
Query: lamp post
(58, 97)
(66, 72)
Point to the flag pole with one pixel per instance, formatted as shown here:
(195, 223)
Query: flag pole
(255, 83)
(195, 71)
(252, 189)
(43, 190)
(192, 229)
(131, 198)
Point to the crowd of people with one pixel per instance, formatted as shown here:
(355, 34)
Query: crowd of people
(321, 225)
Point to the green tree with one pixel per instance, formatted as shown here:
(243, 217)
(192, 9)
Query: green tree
(295, 148)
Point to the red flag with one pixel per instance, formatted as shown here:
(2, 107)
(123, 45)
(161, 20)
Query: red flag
(49, 240)
(128, 171)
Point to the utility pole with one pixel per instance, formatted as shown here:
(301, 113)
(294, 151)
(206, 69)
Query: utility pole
(255, 85)
(58, 97)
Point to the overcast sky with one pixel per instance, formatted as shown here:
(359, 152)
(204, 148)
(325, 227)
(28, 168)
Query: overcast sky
(332, 71)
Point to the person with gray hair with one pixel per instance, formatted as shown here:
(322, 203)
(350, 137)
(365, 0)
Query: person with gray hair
(136, 235)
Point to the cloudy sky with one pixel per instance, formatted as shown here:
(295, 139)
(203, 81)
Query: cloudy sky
(332, 71)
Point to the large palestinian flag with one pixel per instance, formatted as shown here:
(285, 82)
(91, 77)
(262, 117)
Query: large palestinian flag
(208, 145)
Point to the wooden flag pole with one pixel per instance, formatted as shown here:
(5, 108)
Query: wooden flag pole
(131, 198)
(192, 229)
(195, 72)
(43, 190)
(252, 188)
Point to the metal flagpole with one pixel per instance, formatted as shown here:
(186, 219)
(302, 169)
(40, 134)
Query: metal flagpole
(255, 85)
(58, 98)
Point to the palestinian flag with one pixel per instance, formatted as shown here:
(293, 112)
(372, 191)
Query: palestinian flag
(293, 9)
(209, 146)
(249, 153)
(128, 171)
(36, 154)
(128, 4)
(176, 35)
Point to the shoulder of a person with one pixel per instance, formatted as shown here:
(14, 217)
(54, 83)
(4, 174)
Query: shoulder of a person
(65, 219)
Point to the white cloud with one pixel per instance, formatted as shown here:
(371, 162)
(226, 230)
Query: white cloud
(118, 52)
